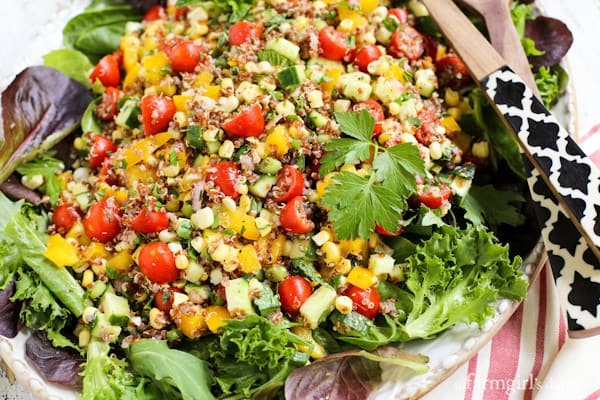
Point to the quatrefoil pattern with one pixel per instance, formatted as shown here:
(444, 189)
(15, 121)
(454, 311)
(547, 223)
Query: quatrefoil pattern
(575, 268)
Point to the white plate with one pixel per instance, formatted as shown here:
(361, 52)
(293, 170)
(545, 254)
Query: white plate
(34, 28)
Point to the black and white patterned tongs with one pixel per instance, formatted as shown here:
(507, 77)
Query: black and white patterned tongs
(564, 183)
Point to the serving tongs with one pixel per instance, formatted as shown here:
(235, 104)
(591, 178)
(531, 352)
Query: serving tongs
(564, 183)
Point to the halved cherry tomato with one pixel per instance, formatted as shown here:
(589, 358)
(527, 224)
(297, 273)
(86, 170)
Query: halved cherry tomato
(382, 231)
(433, 196)
(163, 299)
(451, 72)
(103, 220)
(118, 56)
(365, 56)
(157, 262)
(107, 173)
(107, 71)
(157, 112)
(401, 14)
(290, 183)
(150, 220)
(184, 56)
(100, 149)
(375, 110)
(108, 107)
(154, 13)
(364, 301)
(407, 42)
(333, 44)
(243, 31)
(248, 122)
(64, 218)
(293, 292)
(293, 217)
(226, 175)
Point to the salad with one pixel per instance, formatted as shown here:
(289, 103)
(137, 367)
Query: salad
(260, 193)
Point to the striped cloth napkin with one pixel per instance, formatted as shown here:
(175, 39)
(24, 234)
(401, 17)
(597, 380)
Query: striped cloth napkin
(522, 361)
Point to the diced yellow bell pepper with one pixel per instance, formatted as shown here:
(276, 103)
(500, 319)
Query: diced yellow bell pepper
(361, 277)
(241, 223)
(139, 174)
(355, 247)
(96, 250)
(191, 320)
(216, 317)
(450, 124)
(143, 149)
(203, 78)
(212, 91)
(278, 141)
(346, 13)
(368, 5)
(130, 45)
(153, 67)
(333, 75)
(121, 261)
(61, 252)
(181, 102)
(277, 248)
(77, 232)
(131, 77)
(395, 72)
(248, 259)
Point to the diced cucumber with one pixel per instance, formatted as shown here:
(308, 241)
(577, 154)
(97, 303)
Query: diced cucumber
(426, 82)
(116, 309)
(195, 292)
(213, 147)
(356, 85)
(460, 185)
(128, 114)
(237, 293)
(387, 89)
(184, 228)
(262, 186)
(316, 308)
(418, 8)
(194, 136)
(269, 166)
(381, 264)
(318, 119)
(291, 77)
(104, 330)
(284, 47)
(195, 272)
(97, 290)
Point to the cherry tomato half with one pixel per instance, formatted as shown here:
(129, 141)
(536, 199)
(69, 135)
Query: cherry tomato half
(248, 122)
(293, 217)
(407, 42)
(364, 301)
(400, 13)
(375, 110)
(64, 218)
(157, 262)
(293, 292)
(108, 107)
(184, 56)
(333, 44)
(433, 196)
(382, 231)
(107, 173)
(243, 31)
(451, 72)
(365, 56)
(150, 220)
(290, 183)
(103, 220)
(154, 13)
(107, 71)
(157, 112)
(163, 299)
(226, 175)
(100, 149)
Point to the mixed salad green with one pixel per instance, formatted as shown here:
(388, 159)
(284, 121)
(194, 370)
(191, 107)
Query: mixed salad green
(261, 194)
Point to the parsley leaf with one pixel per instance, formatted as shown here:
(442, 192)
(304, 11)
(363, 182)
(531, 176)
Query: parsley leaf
(358, 203)
(357, 125)
(343, 151)
(486, 203)
(398, 165)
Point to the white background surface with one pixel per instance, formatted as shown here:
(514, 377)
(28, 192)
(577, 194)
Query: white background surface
(575, 371)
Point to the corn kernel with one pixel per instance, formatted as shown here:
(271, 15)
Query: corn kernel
(167, 236)
(321, 238)
(226, 150)
(175, 247)
(32, 181)
(331, 252)
(157, 318)
(87, 280)
(229, 203)
(346, 25)
(341, 105)
(198, 244)
(315, 98)
(481, 149)
(181, 261)
(452, 97)
(435, 151)
(203, 218)
(229, 104)
(343, 267)
(343, 304)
